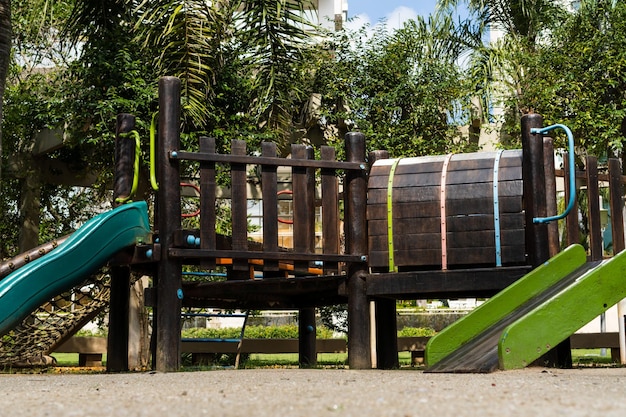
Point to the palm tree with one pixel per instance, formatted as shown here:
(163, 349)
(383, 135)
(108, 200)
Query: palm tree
(496, 63)
(5, 56)
(274, 37)
(525, 18)
(189, 37)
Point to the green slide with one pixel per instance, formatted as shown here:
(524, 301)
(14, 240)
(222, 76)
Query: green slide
(70, 263)
(527, 319)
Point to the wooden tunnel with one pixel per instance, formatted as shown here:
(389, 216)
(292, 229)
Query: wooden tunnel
(446, 211)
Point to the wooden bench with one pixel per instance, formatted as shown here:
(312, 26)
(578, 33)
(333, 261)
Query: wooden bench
(203, 349)
(597, 340)
(89, 349)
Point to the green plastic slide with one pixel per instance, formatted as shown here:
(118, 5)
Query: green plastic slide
(464, 332)
(530, 317)
(587, 295)
(82, 254)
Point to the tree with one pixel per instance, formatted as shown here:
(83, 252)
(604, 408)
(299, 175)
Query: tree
(496, 64)
(103, 58)
(250, 51)
(404, 90)
(525, 18)
(5, 56)
(33, 97)
(274, 37)
(579, 76)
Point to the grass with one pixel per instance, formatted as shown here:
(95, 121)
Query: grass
(592, 357)
(324, 360)
(580, 357)
(71, 359)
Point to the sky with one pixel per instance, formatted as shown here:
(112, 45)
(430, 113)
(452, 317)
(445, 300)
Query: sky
(396, 12)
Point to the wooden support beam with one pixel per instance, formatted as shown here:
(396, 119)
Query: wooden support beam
(168, 278)
(355, 201)
(476, 282)
(385, 325)
(117, 360)
(535, 201)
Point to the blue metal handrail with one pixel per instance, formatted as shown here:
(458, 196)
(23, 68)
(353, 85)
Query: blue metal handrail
(572, 171)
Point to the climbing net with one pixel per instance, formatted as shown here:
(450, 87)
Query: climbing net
(55, 321)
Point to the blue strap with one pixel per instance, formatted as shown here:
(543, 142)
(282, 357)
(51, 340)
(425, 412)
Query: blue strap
(496, 209)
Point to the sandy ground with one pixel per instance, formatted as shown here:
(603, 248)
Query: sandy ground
(293, 392)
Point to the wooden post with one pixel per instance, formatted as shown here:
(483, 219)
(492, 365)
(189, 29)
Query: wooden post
(330, 210)
(616, 189)
(551, 209)
(303, 180)
(571, 221)
(307, 342)
(269, 178)
(208, 191)
(117, 342)
(593, 202)
(239, 211)
(169, 277)
(534, 190)
(355, 203)
(535, 202)
(385, 313)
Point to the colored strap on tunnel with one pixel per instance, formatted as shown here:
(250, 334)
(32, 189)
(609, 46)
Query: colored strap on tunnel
(133, 134)
(392, 171)
(496, 209)
(444, 225)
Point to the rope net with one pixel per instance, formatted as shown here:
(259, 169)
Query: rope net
(54, 322)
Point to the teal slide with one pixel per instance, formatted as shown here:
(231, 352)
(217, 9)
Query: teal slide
(83, 253)
(526, 320)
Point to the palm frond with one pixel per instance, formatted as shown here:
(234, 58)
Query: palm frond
(189, 35)
(274, 34)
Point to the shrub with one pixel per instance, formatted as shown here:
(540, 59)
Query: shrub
(289, 331)
(416, 332)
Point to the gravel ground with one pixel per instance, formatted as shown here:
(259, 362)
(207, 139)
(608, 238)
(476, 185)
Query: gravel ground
(294, 392)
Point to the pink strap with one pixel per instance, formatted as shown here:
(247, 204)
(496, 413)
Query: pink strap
(444, 228)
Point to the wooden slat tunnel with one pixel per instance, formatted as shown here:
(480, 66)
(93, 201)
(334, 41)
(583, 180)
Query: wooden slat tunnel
(480, 195)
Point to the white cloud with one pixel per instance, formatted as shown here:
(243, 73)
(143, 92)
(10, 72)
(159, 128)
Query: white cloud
(394, 20)
(357, 22)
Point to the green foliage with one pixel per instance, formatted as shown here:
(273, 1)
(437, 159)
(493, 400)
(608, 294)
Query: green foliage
(567, 66)
(404, 90)
(188, 38)
(579, 77)
(252, 332)
(416, 332)
(99, 332)
(274, 36)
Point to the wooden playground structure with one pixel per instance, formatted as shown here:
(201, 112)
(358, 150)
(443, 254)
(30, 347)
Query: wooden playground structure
(432, 227)
(394, 217)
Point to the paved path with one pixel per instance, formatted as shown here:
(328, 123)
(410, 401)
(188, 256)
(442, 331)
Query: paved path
(318, 393)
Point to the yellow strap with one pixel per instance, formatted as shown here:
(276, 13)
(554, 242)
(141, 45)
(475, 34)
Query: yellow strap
(444, 226)
(392, 267)
(134, 135)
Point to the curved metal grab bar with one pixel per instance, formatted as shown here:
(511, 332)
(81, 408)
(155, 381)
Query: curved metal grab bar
(572, 171)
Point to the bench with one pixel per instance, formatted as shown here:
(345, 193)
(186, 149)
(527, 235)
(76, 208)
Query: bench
(597, 340)
(89, 349)
(202, 350)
